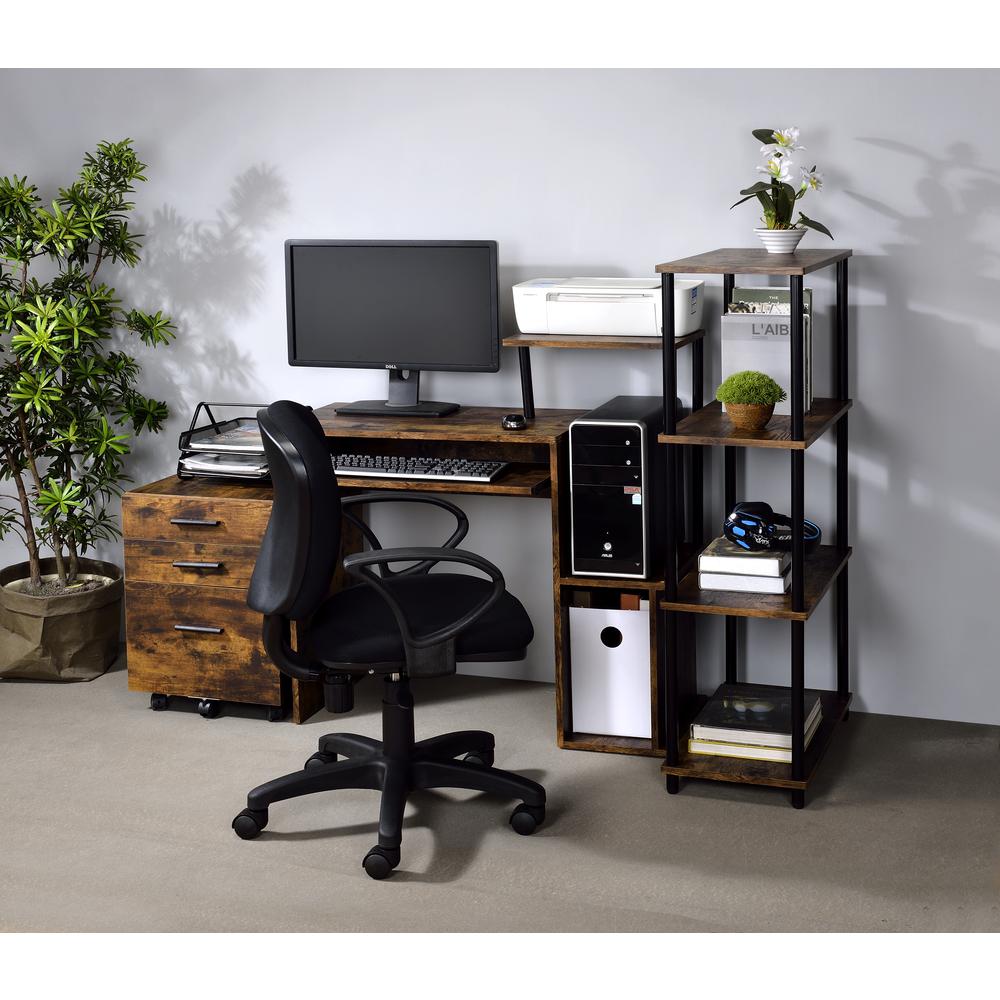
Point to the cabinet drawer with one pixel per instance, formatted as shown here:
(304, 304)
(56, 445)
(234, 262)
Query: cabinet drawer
(216, 653)
(194, 519)
(201, 564)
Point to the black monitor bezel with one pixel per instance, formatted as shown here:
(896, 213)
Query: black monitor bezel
(392, 363)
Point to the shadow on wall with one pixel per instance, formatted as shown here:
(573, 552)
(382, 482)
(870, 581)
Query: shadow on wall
(208, 275)
(924, 442)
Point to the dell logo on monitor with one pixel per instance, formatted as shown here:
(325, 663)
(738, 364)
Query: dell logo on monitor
(392, 366)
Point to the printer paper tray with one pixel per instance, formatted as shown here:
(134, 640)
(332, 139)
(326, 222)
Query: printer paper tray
(619, 316)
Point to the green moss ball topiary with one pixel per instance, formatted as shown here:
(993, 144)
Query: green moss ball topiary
(754, 388)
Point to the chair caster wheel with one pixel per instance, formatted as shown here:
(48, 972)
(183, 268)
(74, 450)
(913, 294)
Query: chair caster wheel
(318, 758)
(274, 713)
(484, 758)
(208, 708)
(527, 819)
(380, 861)
(249, 823)
(159, 702)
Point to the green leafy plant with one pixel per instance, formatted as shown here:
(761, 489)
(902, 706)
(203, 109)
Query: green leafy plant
(776, 195)
(752, 388)
(68, 399)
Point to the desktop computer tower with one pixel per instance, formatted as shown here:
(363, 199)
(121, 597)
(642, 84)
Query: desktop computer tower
(616, 489)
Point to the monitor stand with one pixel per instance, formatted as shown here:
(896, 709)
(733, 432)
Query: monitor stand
(404, 400)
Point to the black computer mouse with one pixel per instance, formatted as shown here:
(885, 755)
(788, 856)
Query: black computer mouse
(513, 422)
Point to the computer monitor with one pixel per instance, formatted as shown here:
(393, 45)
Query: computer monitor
(405, 306)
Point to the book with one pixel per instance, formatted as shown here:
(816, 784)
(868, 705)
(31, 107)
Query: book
(723, 556)
(746, 584)
(755, 336)
(752, 715)
(751, 751)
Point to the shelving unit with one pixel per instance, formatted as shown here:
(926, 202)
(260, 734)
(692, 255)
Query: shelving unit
(567, 587)
(812, 577)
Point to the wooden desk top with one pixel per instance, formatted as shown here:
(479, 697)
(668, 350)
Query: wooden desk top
(470, 423)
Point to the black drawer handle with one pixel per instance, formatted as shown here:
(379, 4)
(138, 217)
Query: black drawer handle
(184, 564)
(211, 629)
(194, 522)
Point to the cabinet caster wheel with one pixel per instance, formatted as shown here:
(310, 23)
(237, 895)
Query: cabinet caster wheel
(484, 758)
(159, 702)
(527, 819)
(318, 758)
(249, 823)
(380, 861)
(274, 713)
(673, 784)
(208, 708)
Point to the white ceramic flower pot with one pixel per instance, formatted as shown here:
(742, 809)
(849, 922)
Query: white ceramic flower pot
(780, 240)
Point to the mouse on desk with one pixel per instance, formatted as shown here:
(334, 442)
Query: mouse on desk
(513, 422)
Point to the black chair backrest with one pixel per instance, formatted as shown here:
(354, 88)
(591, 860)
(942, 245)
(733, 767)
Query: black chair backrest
(301, 545)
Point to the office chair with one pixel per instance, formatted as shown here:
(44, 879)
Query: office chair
(398, 623)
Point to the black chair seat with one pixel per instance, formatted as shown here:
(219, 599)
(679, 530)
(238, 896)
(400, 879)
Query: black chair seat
(357, 626)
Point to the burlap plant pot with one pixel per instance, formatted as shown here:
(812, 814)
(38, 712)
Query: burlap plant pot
(72, 637)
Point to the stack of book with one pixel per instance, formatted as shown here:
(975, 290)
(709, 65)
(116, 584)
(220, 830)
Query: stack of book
(725, 566)
(753, 722)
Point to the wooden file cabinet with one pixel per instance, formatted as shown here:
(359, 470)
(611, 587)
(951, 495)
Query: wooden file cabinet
(190, 547)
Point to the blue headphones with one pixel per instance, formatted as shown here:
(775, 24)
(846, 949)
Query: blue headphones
(754, 526)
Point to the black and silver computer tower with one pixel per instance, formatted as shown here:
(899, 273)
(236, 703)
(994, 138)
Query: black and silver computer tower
(616, 482)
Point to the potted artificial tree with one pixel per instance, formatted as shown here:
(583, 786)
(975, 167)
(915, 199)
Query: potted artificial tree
(68, 405)
(749, 399)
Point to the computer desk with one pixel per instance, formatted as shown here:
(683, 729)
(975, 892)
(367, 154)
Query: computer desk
(190, 545)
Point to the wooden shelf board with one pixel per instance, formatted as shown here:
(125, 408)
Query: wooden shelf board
(633, 745)
(755, 260)
(519, 480)
(480, 424)
(821, 569)
(760, 772)
(605, 343)
(614, 583)
(711, 426)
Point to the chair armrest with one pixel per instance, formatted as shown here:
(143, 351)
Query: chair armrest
(461, 527)
(359, 565)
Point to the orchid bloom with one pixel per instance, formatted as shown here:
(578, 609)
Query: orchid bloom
(811, 179)
(777, 167)
(787, 140)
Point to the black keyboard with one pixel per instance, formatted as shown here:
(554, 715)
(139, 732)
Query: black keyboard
(461, 470)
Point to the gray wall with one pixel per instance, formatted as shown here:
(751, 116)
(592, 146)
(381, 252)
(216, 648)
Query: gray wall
(600, 172)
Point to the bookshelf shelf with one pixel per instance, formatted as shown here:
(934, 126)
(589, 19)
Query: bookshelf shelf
(608, 343)
(754, 261)
(821, 569)
(633, 745)
(683, 602)
(835, 709)
(711, 426)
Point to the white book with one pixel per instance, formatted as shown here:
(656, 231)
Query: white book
(749, 751)
(762, 344)
(760, 341)
(745, 584)
(723, 556)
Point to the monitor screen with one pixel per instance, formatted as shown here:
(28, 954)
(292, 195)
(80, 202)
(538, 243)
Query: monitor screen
(364, 304)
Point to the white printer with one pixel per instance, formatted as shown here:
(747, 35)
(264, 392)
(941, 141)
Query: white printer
(604, 306)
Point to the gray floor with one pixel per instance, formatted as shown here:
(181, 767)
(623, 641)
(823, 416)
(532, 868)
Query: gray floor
(117, 818)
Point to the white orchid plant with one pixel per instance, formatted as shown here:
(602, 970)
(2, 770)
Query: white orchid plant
(777, 194)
